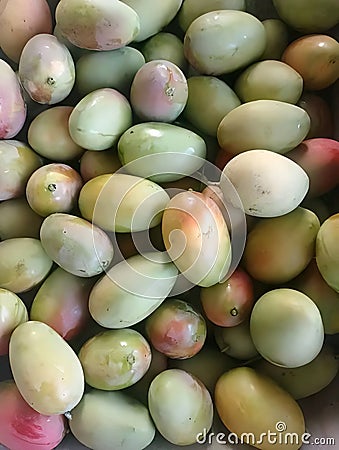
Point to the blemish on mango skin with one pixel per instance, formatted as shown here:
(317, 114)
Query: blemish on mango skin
(12, 105)
(20, 267)
(4, 129)
(81, 33)
(82, 36)
(97, 28)
(169, 88)
(41, 94)
(27, 428)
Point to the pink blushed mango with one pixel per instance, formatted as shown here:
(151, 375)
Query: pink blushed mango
(322, 121)
(23, 428)
(13, 108)
(319, 158)
(159, 91)
(229, 303)
(46, 69)
(62, 303)
(196, 238)
(20, 20)
(176, 329)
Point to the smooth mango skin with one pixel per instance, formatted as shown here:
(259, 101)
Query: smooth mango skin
(180, 405)
(28, 225)
(99, 119)
(209, 100)
(311, 283)
(45, 368)
(263, 124)
(161, 152)
(13, 311)
(23, 264)
(268, 184)
(123, 203)
(286, 328)
(76, 245)
(192, 9)
(316, 58)
(209, 356)
(224, 41)
(271, 80)
(93, 164)
(48, 135)
(248, 402)
(306, 380)
(276, 38)
(112, 69)
(280, 248)
(327, 251)
(153, 16)
(111, 421)
(131, 290)
(166, 46)
(308, 16)
(236, 341)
